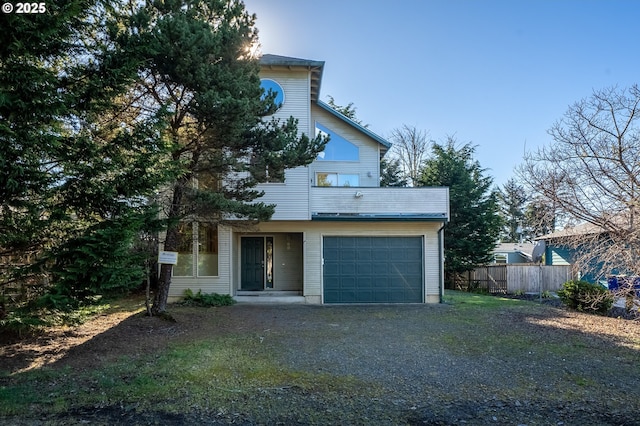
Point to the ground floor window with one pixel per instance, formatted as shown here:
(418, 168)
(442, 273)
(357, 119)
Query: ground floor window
(197, 246)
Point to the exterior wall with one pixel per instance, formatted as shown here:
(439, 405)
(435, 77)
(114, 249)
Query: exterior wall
(368, 166)
(291, 197)
(288, 263)
(297, 96)
(220, 284)
(312, 248)
(555, 255)
(379, 200)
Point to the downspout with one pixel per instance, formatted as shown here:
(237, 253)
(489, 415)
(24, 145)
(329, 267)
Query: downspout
(441, 262)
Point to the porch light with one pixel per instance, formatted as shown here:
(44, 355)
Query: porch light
(359, 194)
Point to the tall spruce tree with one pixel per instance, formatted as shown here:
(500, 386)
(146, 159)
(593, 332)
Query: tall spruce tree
(512, 198)
(199, 70)
(72, 173)
(391, 173)
(474, 225)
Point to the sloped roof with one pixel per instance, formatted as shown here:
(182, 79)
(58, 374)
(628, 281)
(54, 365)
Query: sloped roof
(316, 68)
(525, 249)
(582, 229)
(385, 144)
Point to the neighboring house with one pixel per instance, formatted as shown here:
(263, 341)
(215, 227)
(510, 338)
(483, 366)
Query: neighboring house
(509, 253)
(557, 252)
(336, 236)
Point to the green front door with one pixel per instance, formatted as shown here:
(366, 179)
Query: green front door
(252, 263)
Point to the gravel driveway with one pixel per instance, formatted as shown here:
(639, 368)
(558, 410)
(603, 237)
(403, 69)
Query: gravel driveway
(528, 364)
(518, 364)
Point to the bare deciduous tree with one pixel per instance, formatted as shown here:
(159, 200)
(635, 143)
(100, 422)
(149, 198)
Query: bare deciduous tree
(591, 173)
(410, 146)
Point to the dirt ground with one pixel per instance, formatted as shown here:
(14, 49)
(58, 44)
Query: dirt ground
(123, 332)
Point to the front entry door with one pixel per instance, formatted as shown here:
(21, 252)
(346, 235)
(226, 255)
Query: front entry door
(252, 263)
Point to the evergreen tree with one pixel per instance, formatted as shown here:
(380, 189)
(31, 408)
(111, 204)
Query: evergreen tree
(391, 173)
(69, 171)
(540, 217)
(474, 225)
(348, 111)
(198, 69)
(512, 198)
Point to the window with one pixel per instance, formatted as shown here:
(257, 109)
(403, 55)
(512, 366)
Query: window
(184, 268)
(206, 255)
(265, 173)
(269, 262)
(267, 85)
(209, 181)
(207, 250)
(338, 148)
(500, 258)
(337, 179)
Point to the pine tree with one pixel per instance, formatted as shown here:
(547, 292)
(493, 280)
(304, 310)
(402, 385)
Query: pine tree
(198, 69)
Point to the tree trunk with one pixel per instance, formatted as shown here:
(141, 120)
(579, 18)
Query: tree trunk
(162, 292)
(161, 295)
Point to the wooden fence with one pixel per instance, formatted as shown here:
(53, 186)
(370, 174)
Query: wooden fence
(514, 278)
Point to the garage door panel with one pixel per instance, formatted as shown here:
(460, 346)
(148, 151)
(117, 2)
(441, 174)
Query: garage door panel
(379, 255)
(348, 269)
(373, 270)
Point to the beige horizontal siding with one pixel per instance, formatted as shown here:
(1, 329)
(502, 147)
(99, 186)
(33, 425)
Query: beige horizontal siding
(368, 166)
(312, 246)
(220, 284)
(379, 200)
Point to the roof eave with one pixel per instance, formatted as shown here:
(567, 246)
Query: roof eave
(386, 144)
(316, 68)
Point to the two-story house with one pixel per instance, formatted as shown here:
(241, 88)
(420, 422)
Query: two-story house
(336, 235)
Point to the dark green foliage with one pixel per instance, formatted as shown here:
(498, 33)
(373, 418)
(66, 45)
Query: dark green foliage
(586, 297)
(212, 299)
(474, 225)
(75, 167)
(348, 111)
(103, 260)
(512, 198)
(391, 174)
(198, 69)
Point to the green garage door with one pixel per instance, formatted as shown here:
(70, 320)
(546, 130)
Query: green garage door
(373, 269)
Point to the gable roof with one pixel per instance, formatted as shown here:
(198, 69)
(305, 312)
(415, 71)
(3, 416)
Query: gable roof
(316, 68)
(524, 249)
(385, 145)
(582, 229)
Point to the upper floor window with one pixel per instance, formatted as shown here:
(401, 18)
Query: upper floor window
(269, 84)
(337, 179)
(265, 173)
(338, 148)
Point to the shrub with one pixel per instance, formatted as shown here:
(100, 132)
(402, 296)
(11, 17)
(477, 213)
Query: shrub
(586, 297)
(212, 299)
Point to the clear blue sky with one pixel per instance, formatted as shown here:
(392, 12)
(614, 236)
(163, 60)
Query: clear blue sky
(497, 74)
